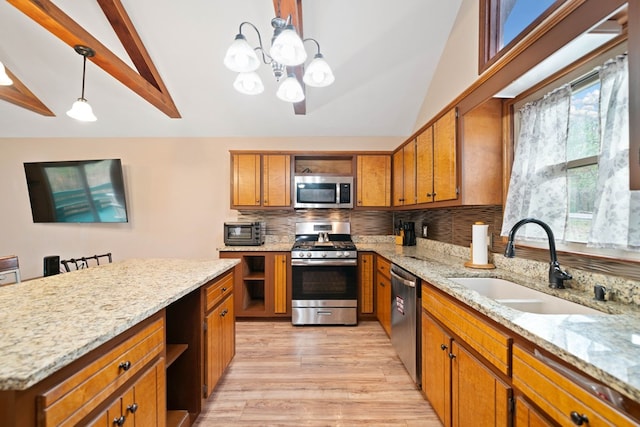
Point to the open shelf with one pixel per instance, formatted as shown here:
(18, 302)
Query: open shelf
(178, 419)
(174, 351)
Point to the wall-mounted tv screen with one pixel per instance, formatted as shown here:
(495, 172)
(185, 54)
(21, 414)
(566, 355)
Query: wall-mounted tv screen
(77, 191)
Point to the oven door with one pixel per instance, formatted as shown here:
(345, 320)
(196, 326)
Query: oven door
(324, 284)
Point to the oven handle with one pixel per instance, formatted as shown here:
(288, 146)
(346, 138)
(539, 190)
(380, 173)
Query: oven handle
(323, 262)
(410, 283)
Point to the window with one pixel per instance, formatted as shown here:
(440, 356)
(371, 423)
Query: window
(583, 145)
(504, 22)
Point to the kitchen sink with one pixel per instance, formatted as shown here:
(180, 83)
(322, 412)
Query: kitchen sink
(522, 298)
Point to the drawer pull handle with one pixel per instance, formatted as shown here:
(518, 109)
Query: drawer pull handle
(443, 347)
(119, 421)
(125, 366)
(579, 419)
(132, 408)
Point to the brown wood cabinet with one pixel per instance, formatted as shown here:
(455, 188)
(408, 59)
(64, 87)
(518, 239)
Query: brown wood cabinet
(262, 283)
(404, 175)
(366, 283)
(451, 338)
(528, 416)
(373, 181)
(383, 293)
(559, 397)
(220, 331)
(143, 404)
(260, 180)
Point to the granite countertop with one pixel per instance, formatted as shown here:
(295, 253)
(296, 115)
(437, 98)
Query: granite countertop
(49, 322)
(605, 346)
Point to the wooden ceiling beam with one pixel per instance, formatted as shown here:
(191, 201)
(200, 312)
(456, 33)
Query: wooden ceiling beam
(293, 8)
(19, 94)
(147, 83)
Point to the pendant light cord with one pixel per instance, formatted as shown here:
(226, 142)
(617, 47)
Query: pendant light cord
(84, 69)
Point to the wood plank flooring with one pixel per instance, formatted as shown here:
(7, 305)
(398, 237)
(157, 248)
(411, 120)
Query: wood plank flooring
(285, 375)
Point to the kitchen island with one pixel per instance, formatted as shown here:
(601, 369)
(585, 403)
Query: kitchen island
(53, 327)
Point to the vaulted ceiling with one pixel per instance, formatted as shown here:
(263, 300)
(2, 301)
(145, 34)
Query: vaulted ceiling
(158, 67)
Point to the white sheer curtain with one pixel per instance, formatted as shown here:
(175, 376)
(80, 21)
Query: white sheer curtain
(616, 216)
(538, 186)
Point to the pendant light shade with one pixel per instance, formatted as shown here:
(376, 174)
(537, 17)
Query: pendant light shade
(82, 111)
(287, 48)
(5, 80)
(248, 83)
(318, 73)
(241, 57)
(290, 90)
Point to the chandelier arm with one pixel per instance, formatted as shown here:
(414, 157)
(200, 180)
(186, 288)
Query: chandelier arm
(313, 40)
(260, 48)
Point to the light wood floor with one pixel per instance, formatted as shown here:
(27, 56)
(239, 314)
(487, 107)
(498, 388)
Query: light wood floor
(283, 375)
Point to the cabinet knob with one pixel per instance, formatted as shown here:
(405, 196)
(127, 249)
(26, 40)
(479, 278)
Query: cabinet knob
(578, 419)
(452, 356)
(224, 289)
(125, 366)
(224, 312)
(443, 347)
(132, 408)
(119, 420)
(429, 194)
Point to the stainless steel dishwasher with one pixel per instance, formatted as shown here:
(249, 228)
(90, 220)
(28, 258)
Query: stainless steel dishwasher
(406, 320)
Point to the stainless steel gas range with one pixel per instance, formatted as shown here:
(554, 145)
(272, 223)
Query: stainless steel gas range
(324, 264)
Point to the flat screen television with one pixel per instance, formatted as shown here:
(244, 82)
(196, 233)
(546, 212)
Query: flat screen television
(77, 191)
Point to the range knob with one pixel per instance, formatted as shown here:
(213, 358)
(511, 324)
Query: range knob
(340, 254)
(323, 254)
(308, 254)
(301, 254)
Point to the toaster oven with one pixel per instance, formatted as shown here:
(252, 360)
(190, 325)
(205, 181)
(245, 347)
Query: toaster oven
(244, 233)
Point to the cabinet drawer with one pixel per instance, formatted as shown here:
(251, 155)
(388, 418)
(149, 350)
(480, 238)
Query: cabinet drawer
(216, 291)
(383, 266)
(71, 400)
(559, 396)
(492, 344)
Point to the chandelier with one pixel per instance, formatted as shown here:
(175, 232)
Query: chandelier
(287, 50)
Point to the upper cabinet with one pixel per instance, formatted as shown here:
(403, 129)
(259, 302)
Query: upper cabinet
(436, 161)
(373, 185)
(260, 180)
(404, 175)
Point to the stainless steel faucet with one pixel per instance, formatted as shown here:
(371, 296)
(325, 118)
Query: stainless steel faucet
(556, 275)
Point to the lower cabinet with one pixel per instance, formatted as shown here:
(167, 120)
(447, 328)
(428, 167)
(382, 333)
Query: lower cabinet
(383, 293)
(262, 284)
(366, 288)
(143, 404)
(462, 389)
(219, 331)
(559, 396)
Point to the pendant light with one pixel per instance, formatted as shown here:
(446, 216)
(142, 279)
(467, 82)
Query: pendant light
(5, 80)
(81, 110)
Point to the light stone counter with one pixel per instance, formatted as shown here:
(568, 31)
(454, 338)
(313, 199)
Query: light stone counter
(605, 346)
(47, 323)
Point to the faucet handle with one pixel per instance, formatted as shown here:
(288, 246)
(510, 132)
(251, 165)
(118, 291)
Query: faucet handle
(557, 276)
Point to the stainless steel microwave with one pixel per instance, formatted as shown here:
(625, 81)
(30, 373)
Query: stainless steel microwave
(316, 191)
(244, 233)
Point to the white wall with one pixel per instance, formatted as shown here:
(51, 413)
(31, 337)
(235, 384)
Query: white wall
(177, 195)
(458, 66)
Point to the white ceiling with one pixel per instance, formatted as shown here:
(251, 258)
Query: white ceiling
(383, 55)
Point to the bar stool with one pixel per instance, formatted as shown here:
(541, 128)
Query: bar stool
(83, 262)
(9, 265)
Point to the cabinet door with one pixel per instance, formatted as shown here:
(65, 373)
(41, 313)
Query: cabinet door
(281, 300)
(365, 265)
(445, 182)
(383, 301)
(436, 345)
(276, 182)
(409, 155)
(374, 181)
(227, 333)
(478, 396)
(424, 166)
(528, 416)
(246, 180)
(398, 178)
(145, 403)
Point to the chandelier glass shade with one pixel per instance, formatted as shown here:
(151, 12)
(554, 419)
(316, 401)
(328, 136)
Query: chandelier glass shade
(287, 51)
(5, 80)
(81, 110)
